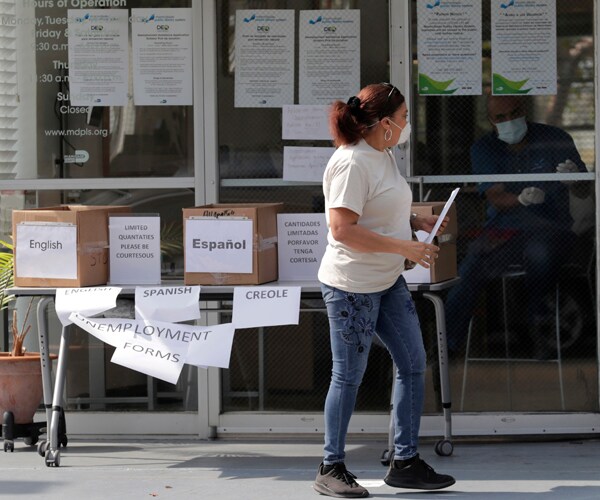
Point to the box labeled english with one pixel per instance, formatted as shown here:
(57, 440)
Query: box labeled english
(444, 267)
(62, 246)
(231, 244)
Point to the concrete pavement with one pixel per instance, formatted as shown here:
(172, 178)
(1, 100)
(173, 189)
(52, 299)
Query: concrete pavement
(285, 468)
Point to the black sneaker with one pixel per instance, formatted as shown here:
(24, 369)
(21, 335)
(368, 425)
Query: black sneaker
(416, 475)
(338, 482)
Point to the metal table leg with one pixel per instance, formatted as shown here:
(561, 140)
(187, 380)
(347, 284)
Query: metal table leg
(443, 447)
(45, 355)
(53, 452)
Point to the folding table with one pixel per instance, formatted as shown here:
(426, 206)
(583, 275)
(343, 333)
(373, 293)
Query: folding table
(53, 403)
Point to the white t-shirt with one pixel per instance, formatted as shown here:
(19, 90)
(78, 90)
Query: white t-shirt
(368, 182)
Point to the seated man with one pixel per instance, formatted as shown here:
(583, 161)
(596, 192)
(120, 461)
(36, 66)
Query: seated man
(528, 223)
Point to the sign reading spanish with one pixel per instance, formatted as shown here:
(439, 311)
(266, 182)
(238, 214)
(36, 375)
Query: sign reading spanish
(255, 306)
(524, 47)
(98, 56)
(218, 245)
(302, 239)
(449, 44)
(134, 249)
(162, 56)
(167, 303)
(46, 250)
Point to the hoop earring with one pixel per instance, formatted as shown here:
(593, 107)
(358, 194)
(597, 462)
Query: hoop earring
(388, 135)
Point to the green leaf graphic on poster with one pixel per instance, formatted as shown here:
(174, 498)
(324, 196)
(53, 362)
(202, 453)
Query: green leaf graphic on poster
(503, 85)
(428, 85)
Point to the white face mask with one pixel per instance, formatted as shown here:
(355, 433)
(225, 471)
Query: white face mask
(512, 131)
(404, 135)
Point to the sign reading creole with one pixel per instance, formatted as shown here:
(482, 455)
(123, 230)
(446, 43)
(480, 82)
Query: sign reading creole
(218, 245)
(134, 250)
(265, 306)
(46, 250)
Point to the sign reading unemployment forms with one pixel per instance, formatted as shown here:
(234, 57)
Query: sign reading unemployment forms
(160, 349)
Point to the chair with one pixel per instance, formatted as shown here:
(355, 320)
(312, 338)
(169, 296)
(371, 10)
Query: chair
(514, 273)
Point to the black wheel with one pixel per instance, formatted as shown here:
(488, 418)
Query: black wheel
(9, 446)
(385, 458)
(30, 440)
(53, 458)
(64, 440)
(42, 447)
(444, 448)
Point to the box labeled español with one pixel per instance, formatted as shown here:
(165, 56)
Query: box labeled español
(62, 246)
(444, 267)
(230, 244)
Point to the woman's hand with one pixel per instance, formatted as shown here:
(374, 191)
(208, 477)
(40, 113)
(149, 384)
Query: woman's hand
(344, 227)
(421, 253)
(427, 222)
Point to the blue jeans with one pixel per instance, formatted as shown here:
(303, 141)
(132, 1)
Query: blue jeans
(353, 319)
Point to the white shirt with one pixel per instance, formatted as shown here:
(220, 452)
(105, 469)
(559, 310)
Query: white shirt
(368, 182)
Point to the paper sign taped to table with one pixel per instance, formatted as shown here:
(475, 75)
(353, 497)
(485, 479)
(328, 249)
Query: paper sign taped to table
(109, 331)
(215, 348)
(160, 349)
(159, 357)
(440, 219)
(255, 306)
(46, 250)
(86, 301)
(167, 303)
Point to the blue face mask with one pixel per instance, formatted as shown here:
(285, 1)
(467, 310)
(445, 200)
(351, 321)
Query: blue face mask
(512, 131)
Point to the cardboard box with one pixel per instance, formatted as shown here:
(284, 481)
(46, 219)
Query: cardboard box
(263, 248)
(444, 267)
(91, 226)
